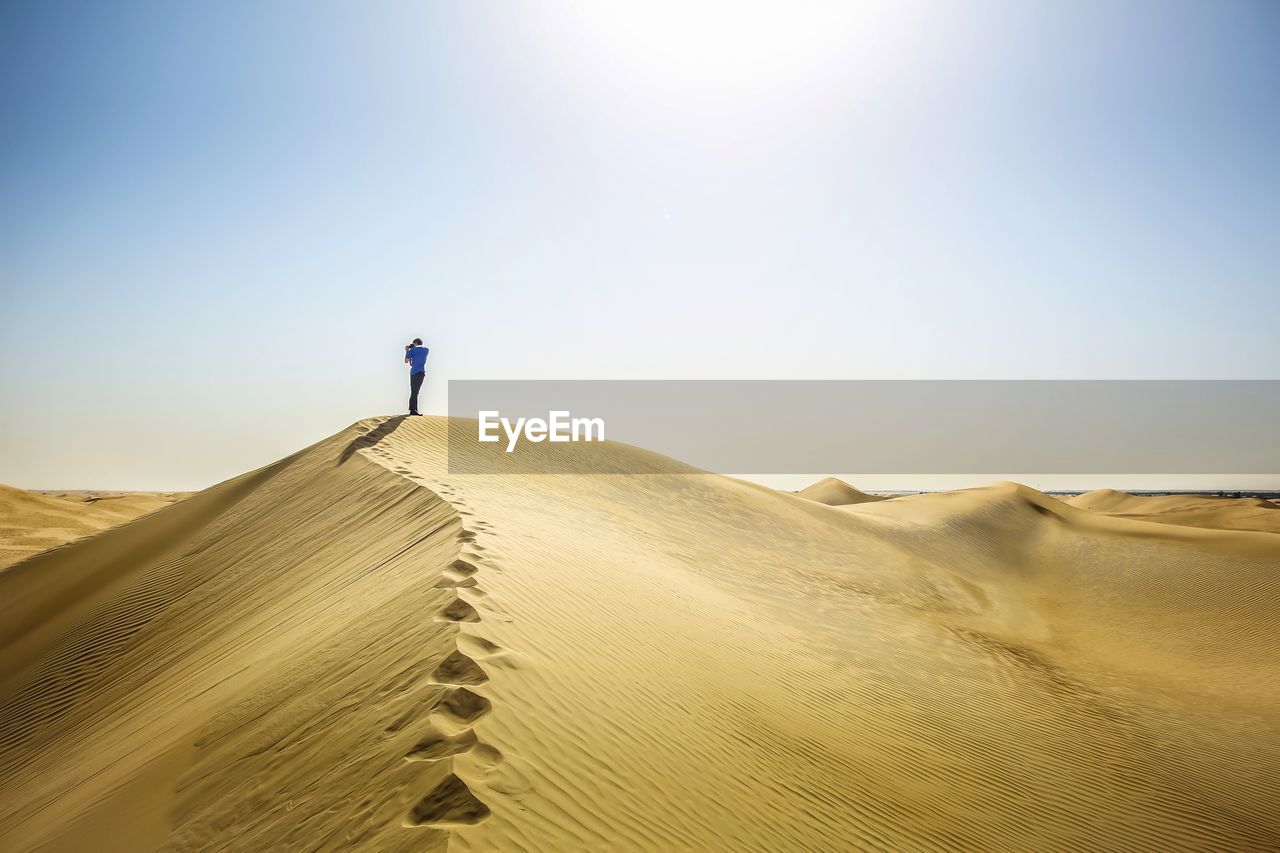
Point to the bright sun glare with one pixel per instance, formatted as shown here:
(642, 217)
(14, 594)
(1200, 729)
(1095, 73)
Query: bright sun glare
(727, 46)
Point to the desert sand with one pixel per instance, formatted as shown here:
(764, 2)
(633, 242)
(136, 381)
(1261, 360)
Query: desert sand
(31, 522)
(834, 492)
(1191, 510)
(352, 648)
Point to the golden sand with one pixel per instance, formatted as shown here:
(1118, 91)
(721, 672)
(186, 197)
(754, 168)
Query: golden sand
(31, 522)
(354, 649)
(1190, 510)
(833, 492)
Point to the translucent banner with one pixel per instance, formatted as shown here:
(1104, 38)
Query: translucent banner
(866, 426)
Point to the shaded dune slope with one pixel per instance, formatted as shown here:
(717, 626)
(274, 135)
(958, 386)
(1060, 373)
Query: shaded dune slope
(355, 648)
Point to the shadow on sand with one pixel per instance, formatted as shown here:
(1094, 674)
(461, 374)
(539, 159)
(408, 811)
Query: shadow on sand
(372, 437)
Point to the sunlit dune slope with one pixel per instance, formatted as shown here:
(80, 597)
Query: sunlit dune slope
(31, 522)
(354, 648)
(1191, 510)
(834, 492)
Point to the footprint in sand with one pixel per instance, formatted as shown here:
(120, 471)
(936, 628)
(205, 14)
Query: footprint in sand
(449, 802)
(457, 668)
(462, 567)
(462, 707)
(459, 611)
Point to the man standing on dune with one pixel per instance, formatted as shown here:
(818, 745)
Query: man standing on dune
(415, 355)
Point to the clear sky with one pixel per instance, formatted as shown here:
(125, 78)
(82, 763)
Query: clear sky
(220, 222)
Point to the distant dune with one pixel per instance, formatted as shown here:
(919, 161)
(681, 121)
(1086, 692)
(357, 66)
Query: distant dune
(834, 492)
(1191, 510)
(31, 522)
(354, 649)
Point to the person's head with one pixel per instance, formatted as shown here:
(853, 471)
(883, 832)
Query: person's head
(417, 342)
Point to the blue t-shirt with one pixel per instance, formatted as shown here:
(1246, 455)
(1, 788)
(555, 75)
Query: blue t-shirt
(417, 359)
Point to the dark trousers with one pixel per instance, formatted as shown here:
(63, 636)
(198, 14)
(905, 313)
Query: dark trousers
(415, 383)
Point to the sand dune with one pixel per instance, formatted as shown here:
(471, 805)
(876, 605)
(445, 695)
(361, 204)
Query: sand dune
(354, 649)
(835, 492)
(31, 522)
(1191, 510)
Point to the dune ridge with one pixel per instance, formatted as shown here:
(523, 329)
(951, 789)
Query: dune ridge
(355, 648)
(277, 650)
(1191, 510)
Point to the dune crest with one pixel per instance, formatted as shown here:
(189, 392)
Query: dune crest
(835, 492)
(354, 648)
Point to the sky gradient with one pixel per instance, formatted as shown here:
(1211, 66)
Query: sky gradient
(219, 223)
